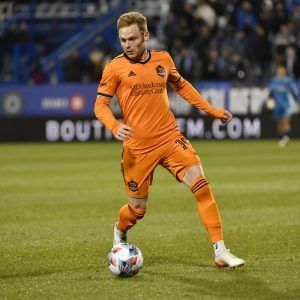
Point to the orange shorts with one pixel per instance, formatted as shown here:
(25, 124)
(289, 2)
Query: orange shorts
(177, 156)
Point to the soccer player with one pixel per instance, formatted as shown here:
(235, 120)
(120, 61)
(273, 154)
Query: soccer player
(284, 92)
(150, 133)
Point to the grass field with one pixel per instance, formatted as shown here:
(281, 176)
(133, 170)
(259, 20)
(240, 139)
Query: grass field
(58, 203)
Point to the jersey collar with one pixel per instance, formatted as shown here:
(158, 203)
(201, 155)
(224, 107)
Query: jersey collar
(140, 62)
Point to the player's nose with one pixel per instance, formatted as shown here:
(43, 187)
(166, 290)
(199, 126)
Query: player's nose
(127, 45)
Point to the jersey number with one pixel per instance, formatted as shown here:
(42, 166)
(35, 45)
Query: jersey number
(182, 142)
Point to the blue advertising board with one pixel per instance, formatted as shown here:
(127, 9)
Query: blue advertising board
(47, 100)
(66, 113)
(78, 99)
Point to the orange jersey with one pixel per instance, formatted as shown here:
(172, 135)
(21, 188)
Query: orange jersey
(141, 90)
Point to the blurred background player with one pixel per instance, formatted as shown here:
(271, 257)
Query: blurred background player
(284, 93)
(150, 133)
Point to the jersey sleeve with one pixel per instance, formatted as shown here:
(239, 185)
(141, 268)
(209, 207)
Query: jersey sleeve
(105, 92)
(109, 82)
(189, 93)
(173, 76)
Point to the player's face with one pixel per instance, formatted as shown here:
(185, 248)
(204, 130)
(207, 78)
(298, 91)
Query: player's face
(133, 41)
(281, 72)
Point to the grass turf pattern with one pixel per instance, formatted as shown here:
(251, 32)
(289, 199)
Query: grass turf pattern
(58, 203)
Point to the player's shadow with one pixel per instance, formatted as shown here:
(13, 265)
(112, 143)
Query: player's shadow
(35, 273)
(236, 283)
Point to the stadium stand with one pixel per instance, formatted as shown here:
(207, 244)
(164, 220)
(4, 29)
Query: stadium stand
(70, 41)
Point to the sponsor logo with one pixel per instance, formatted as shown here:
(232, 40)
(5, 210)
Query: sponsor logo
(161, 71)
(77, 102)
(237, 128)
(49, 103)
(133, 186)
(12, 104)
(131, 73)
(80, 130)
(148, 88)
(84, 130)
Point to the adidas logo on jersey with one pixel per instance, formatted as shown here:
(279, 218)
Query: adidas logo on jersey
(131, 73)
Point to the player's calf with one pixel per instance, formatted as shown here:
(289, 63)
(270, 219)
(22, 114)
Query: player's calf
(207, 208)
(128, 216)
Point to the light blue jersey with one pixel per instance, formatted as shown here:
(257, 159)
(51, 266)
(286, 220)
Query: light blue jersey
(282, 90)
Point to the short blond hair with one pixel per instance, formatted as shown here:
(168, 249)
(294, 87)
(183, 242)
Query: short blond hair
(131, 18)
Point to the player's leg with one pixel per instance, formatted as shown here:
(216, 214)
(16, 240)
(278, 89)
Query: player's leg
(282, 116)
(138, 173)
(207, 207)
(208, 210)
(129, 214)
(284, 127)
(183, 162)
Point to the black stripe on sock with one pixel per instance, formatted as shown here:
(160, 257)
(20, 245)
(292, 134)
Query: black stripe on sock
(197, 184)
(135, 214)
(200, 187)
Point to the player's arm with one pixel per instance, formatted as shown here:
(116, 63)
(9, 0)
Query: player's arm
(106, 90)
(295, 91)
(190, 94)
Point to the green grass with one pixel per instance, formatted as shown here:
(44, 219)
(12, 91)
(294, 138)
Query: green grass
(58, 203)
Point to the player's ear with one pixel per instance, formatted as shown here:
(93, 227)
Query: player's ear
(146, 36)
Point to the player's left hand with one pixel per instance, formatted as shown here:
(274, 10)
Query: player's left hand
(227, 116)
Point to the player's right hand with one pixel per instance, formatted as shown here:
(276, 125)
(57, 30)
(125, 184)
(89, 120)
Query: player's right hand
(124, 133)
(227, 116)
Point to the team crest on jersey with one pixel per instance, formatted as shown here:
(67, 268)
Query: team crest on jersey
(161, 71)
(133, 186)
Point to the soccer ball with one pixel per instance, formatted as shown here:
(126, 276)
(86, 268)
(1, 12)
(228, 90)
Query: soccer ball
(124, 259)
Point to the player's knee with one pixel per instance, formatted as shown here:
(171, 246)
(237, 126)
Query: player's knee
(192, 174)
(140, 204)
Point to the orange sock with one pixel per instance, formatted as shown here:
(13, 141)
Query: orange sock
(207, 208)
(128, 216)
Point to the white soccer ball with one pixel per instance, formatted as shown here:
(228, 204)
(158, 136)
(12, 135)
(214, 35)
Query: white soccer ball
(125, 259)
